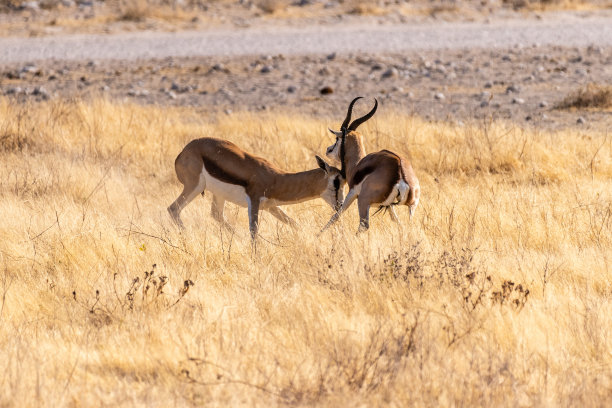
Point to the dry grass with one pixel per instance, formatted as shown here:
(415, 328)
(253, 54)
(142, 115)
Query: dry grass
(591, 96)
(497, 293)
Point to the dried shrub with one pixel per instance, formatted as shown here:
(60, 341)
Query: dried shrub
(272, 6)
(591, 96)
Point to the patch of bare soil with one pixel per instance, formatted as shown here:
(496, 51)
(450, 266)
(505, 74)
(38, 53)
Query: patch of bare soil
(51, 17)
(524, 85)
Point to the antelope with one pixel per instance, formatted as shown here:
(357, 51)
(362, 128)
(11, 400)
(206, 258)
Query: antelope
(231, 174)
(383, 178)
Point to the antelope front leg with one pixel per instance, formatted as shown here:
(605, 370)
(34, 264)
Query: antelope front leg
(282, 216)
(253, 205)
(350, 197)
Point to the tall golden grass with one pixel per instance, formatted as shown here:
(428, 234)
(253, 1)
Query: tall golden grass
(497, 293)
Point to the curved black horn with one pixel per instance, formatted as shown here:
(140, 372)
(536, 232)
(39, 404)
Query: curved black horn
(347, 120)
(362, 119)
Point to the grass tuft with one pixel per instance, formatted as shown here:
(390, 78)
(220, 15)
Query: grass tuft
(592, 96)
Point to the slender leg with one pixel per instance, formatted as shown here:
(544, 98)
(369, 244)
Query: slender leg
(350, 197)
(393, 215)
(216, 210)
(364, 215)
(190, 191)
(282, 216)
(253, 204)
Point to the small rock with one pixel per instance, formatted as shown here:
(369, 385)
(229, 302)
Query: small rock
(488, 84)
(41, 91)
(581, 120)
(582, 72)
(228, 111)
(513, 89)
(439, 96)
(518, 101)
(397, 89)
(390, 73)
(528, 118)
(543, 104)
(105, 88)
(218, 67)
(506, 58)
(171, 95)
(30, 5)
(326, 90)
(291, 89)
(14, 91)
(486, 95)
(265, 69)
(484, 104)
(451, 76)
(331, 56)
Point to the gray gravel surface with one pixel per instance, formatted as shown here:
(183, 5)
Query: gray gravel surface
(560, 30)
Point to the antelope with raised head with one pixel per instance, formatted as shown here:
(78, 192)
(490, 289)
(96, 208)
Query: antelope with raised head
(231, 174)
(381, 179)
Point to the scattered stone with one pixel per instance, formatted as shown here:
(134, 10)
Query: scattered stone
(105, 88)
(291, 89)
(326, 90)
(513, 89)
(397, 89)
(518, 101)
(451, 75)
(581, 120)
(390, 73)
(486, 95)
(14, 91)
(331, 57)
(265, 69)
(484, 104)
(543, 104)
(324, 71)
(439, 96)
(582, 72)
(228, 111)
(30, 5)
(488, 84)
(506, 58)
(218, 67)
(177, 88)
(528, 118)
(41, 91)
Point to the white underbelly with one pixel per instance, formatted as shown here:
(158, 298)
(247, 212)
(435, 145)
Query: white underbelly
(229, 192)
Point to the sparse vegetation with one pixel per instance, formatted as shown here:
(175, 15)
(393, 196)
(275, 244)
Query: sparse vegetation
(497, 293)
(591, 96)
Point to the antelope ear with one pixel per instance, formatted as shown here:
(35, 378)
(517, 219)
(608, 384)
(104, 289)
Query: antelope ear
(335, 133)
(322, 163)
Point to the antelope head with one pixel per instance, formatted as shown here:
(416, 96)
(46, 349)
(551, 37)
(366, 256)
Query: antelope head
(334, 190)
(337, 150)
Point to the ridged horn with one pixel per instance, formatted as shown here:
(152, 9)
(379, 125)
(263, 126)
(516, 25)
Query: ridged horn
(362, 119)
(347, 120)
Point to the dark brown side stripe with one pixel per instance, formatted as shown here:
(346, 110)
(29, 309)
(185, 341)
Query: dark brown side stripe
(360, 175)
(217, 172)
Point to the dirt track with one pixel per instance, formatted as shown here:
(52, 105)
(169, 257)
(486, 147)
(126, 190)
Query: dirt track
(562, 29)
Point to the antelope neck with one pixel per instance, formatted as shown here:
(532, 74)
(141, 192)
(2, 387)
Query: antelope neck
(294, 187)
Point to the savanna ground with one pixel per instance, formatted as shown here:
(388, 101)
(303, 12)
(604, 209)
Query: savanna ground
(498, 292)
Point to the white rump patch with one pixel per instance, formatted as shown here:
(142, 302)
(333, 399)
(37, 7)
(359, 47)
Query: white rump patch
(229, 192)
(398, 195)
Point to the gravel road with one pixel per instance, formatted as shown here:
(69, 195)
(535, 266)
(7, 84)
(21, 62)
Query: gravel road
(559, 30)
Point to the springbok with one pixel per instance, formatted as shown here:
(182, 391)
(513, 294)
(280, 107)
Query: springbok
(231, 174)
(383, 178)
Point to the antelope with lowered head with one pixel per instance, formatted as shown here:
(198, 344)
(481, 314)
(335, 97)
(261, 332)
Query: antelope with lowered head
(231, 174)
(381, 179)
